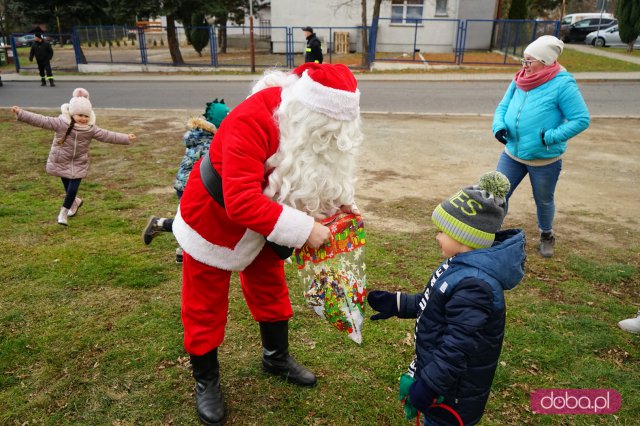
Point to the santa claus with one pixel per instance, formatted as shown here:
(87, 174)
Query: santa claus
(281, 161)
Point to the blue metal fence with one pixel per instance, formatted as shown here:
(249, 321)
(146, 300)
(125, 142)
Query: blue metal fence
(442, 36)
(432, 41)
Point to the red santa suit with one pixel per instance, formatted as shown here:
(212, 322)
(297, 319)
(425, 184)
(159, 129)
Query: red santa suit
(218, 240)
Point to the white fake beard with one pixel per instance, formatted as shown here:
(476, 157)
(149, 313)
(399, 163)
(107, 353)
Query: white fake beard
(314, 168)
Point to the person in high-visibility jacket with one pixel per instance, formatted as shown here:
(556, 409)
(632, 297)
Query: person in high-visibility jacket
(314, 47)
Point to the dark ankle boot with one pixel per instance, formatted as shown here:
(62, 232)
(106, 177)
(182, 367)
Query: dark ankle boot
(43, 82)
(209, 399)
(547, 241)
(51, 83)
(275, 355)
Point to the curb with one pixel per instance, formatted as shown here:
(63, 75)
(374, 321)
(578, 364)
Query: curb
(443, 77)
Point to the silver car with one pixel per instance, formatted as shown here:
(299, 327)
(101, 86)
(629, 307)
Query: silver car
(607, 37)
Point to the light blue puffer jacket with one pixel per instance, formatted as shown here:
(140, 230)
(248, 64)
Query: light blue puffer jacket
(555, 108)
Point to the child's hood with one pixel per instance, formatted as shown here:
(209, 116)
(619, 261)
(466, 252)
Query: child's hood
(201, 123)
(504, 260)
(200, 132)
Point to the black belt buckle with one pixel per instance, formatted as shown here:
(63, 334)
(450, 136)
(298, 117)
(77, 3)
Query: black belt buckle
(212, 182)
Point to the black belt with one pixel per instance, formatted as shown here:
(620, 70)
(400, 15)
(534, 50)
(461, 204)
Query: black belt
(212, 182)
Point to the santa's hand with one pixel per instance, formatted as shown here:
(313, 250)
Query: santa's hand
(320, 234)
(349, 208)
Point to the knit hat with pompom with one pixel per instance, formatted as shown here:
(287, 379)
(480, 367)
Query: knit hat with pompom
(474, 214)
(79, 103)
(215, 112)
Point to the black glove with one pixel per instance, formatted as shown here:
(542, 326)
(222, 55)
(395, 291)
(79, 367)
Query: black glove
(384, 302)
(422, 396)
(501, 136)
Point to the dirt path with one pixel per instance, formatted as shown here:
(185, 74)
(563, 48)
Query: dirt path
(416, 162)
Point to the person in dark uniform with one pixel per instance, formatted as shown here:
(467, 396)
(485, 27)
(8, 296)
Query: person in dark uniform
(43, 53)
(314, 48)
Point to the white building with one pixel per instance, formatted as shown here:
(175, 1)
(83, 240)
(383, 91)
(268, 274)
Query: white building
(397, 29)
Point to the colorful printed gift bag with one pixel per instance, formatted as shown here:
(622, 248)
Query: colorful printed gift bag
(334, 275)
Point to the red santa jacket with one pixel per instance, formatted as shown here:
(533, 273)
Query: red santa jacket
(230, 238)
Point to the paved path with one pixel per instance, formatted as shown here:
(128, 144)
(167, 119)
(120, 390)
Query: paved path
(429, 76)
(606, 51)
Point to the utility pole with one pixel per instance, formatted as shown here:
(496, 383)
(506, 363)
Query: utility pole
(251, 44)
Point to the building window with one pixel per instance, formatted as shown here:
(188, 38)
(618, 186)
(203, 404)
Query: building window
(441, 8)
(406, 11)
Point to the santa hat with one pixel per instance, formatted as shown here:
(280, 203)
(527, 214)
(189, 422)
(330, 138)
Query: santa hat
(79, 104)
(330, 89)
(546, 49)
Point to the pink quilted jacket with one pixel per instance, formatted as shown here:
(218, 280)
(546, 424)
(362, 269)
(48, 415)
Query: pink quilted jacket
(70, 158)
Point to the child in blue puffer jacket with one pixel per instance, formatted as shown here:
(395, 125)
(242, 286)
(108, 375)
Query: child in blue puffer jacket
(196, 140)
(461, 312)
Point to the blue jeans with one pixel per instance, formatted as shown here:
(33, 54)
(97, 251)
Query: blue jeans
(543, 182)
(71, 187)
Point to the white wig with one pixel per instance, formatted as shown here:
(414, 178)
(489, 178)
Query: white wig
(314, 168)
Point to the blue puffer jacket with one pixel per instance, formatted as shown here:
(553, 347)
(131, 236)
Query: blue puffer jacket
(460, 325)
(196, 141)
(555, 109)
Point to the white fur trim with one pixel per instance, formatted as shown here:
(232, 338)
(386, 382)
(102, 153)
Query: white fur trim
(203, 251)
(292, 229)
(339, 104)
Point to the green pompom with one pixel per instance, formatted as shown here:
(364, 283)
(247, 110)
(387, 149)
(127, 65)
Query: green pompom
(495, 183)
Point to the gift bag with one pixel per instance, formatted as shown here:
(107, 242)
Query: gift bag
(334, 275)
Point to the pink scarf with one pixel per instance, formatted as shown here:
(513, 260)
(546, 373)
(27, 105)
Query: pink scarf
(532, 81)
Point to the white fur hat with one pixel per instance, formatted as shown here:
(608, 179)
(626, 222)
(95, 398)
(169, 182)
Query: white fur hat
(546, 49)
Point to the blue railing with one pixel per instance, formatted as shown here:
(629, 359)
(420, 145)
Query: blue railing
(441, 41)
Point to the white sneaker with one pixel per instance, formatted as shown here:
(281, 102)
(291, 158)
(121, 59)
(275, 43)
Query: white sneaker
(62, 216)
(75, 206)
(632, 325)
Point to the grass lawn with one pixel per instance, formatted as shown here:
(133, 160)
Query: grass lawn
(90, 330)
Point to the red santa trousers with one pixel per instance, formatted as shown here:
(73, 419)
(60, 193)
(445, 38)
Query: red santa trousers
(205, 298)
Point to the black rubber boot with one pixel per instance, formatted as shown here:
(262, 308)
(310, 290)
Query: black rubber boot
(51, 83)
(547, 241)
(43, 82)
(209, 399)
(275, 355)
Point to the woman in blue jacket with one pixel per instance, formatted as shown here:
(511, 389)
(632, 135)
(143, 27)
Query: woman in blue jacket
(541, 110)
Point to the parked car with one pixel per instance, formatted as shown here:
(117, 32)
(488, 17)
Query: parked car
(572, 18)
(579, 30)
(29, 39)
(607, 38)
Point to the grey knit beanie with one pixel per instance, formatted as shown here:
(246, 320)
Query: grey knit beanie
(474, 214)
(546, 49)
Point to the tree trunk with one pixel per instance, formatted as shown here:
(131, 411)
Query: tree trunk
(222, 35)
(365, 42)
(172, 40)
(374, 21)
